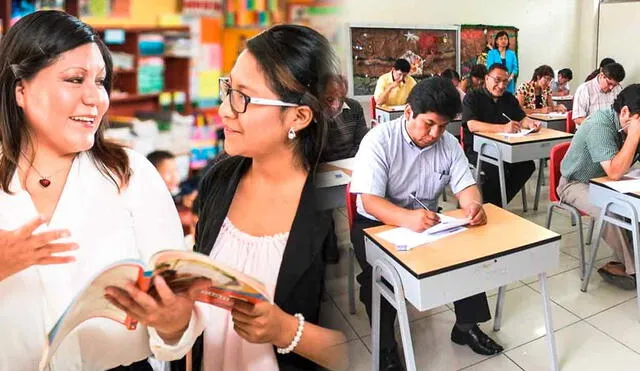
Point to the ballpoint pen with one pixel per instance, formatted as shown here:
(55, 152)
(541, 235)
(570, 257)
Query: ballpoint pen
(413, 197)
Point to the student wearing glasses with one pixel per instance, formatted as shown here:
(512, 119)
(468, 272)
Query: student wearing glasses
(598, 93)
(495, 110)
(535, 96)
(258, 214)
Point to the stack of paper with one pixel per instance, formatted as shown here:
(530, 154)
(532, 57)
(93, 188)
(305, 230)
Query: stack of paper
(405, 239)
(522, 133)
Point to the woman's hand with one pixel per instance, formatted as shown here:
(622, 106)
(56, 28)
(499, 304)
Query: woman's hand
(263, 323)
(169, 315)
(20, 248)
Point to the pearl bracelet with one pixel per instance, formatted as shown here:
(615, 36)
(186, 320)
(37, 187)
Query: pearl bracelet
(296, 339)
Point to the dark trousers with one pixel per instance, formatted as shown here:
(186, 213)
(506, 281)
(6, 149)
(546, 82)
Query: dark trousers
(469, 310)
(515, 175)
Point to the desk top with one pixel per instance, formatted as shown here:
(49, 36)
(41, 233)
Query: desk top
(602, 180)
(543, 135)
(505, 233)
(345, 165)
(562, 97)
(549, 117)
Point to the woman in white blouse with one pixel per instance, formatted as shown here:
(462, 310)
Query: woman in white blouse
(258, 213)
(58, 173)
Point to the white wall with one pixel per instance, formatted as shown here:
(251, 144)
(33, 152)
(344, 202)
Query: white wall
(551, 31)
(619, 37)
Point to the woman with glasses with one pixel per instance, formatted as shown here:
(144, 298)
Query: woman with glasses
(505, 56)
(535, 96)
(258, 214)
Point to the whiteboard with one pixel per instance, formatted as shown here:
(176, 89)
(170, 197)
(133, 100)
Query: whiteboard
(619, 36)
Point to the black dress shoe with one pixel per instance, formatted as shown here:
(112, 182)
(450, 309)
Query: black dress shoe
(477, 340)
(390, 360)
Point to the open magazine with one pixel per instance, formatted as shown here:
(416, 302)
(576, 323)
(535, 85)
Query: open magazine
(178, 268)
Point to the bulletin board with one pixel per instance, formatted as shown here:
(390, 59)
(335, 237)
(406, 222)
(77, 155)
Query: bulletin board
(476, 41)
(374, 49)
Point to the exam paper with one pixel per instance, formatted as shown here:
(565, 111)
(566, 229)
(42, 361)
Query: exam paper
(405, 239)
(557, 114)
(347, 163)
(522, 133)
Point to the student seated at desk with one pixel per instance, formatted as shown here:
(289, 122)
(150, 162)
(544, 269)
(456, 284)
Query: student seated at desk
(414, 155)
(475, 78)
(454, 77)
(597, 93)
(535, 96)
(486, 110)
(393, 88)
(346, 128)
(599, 148)
(560, 86)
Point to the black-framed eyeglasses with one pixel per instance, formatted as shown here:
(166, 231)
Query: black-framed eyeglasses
(498, 81)
(239, 100)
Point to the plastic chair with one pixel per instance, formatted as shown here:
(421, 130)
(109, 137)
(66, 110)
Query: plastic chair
(351, 277)
(372, 107)
(557, 154)
(570, 126)
(471, 166)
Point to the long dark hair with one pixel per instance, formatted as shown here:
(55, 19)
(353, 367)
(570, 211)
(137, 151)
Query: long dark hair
(32, 44)
(297, 61)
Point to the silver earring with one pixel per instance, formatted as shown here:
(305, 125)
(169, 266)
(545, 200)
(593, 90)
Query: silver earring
(292, 134)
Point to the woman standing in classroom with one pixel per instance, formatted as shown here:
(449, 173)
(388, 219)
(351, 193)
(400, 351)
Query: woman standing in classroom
(258, 214)
(505, 56)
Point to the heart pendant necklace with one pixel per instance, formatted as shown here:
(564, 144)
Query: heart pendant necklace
(45, 181)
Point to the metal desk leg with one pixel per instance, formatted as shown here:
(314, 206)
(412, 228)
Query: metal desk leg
(350, 281)
(494, 161)
(497, 319)
(551, 338)
(539, 184)
(632, 226)
(383, 269)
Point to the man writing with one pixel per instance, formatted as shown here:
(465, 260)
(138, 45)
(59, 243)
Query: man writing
(492, 109)
(401, 166)
(393, 88)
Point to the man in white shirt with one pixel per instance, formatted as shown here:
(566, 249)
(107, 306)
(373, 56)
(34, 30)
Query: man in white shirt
(598, 93)
(413, 156)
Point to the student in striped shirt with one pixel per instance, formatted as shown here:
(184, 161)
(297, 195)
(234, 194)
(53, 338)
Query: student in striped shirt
(606, 144)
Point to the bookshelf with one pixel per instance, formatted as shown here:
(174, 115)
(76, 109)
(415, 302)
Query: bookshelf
(176, 72)
(70, 6)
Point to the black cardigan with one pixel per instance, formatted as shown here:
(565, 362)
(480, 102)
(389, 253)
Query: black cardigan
(301, 277)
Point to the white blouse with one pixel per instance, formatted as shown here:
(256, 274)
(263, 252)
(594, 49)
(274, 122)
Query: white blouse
(108, 226)
(224, 349)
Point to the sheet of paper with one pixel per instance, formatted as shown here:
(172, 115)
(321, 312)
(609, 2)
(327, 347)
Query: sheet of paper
(557, 114)
(522, 133)
(332, 179)
(564, 97)
(405, 239)
(447, 223)
(347, 163)
(625, 186)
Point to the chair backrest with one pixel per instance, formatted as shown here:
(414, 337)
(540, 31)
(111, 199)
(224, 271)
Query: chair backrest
(557, 154)
(372, 108)
(570, 126)
(351, 205)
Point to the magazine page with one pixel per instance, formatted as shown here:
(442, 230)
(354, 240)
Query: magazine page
(181, 268)
(90, 302)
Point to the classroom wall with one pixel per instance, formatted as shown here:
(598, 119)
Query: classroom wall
(143, 13)
(550, 33)
(619, 35)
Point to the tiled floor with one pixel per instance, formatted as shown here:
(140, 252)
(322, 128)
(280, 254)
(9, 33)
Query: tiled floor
(596, 330)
